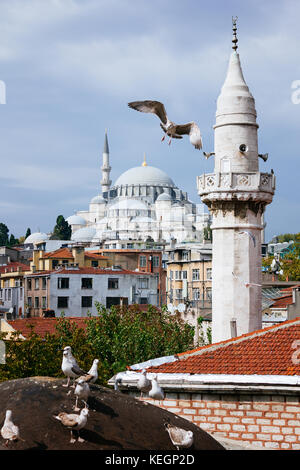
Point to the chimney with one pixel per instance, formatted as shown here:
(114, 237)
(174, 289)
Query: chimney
(78, 255)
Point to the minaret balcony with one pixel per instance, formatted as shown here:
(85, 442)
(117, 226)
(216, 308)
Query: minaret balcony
(242, 186)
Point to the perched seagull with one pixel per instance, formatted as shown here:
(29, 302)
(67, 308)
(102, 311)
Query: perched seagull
(69, 366)
(180, 437)
(82, 391)
(250, 234)
(156, 391)
(9, 431)
(92, 374)
(74, 422)
(170, 128)
(118, 382)
(144, 384)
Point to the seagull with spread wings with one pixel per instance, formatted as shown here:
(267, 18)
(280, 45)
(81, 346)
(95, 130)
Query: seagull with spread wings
(174, 131)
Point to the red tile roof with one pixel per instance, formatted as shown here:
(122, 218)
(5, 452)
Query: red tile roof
(98, 271)
(270, 351)
(64, 253)
(283, 302)
(13, 266)
(42, 325)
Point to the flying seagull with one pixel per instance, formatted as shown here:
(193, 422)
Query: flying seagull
(9, 431)
(174, 131)
(250, 235)
(74, 422)
(69, 366)
(180, 437)
(144, 384)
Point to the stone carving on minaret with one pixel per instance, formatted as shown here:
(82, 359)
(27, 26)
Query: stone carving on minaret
(236, 194)
(105, 182)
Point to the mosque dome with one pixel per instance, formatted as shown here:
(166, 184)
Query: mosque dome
(76, 220)
(98, 200)
(164, 197)
(36, 237)
(145, 175)
(85, 234)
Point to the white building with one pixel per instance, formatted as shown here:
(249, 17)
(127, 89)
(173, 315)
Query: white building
(144, 202)
(236, 194)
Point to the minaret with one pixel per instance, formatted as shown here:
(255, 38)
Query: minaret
(236, 194)
(105, 182)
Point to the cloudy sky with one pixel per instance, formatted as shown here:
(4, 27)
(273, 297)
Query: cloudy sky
(71, 66)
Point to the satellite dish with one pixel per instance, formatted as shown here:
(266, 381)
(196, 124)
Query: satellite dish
(181, 308)
(171, 308)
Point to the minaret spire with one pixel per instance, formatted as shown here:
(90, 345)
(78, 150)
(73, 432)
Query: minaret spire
(234, 38)
(105, 182)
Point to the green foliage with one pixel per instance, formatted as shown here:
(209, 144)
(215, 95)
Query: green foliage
(117, 337)
(62, 230)
(286, 237)
(12, 240)
(28, 232)
(3, 235)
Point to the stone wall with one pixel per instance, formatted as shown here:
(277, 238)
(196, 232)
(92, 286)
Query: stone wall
(267, 421)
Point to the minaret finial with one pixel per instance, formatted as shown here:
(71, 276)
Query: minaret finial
(144, 162)
(234, 38)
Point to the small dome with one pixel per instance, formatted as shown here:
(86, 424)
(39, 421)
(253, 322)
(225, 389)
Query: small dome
(164, 197)
(76, 220)
(98, 200)
(36, 237)
(145, 175)
(84, 234)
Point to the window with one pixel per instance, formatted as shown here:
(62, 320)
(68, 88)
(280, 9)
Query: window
(44, 302)
(171, 274)
(143, 283)
(36, 302)
(178, 293)
(29, 284)
(196, 294)
(63, 283)
(185, 255)
(95, 264)
(21, 293)
(62, 302)
(156, 261)
(143, 300)
(208, 293)
(184, 274)
(29, 301)
(65, 261)
(177, 275)
(113, 283)
(8, 294)
(225, 165)
(44, 283)
(54, 263)
(87, 283)
(36, 283)
(208, 274)
(196, 275)
(143, 261)
(86, 302)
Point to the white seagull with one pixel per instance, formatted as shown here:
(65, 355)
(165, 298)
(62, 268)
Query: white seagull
(9, 431)
(156, 391)
(169, 127)
(181, 438)
(144, 384)
(82, 391)
(69, 366)
(74, 422)
(92, 374)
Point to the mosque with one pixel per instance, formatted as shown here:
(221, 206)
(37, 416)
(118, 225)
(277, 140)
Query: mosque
(144, 203)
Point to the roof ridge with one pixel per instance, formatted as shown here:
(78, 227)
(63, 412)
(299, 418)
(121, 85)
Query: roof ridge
(237, 340)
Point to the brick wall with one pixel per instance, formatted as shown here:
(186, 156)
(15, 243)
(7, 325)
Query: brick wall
(270, 421)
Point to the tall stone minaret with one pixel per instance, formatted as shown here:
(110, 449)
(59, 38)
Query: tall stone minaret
(236, 194)
(105, 182)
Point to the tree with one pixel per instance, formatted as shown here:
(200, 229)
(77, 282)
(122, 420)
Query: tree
(28, 232)
(3, 235)
(12, 240)
(62, 230)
